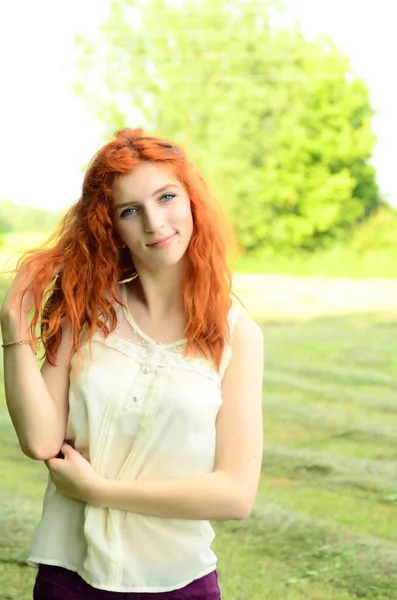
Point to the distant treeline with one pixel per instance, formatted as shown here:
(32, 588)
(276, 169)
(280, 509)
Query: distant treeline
(19, 218)
(369, 249)
(377, 232)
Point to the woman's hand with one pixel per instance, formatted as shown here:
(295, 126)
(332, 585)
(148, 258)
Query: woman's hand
(14, 303)
(74, 477)
(16, 306)
(19, 298)
(18, 303)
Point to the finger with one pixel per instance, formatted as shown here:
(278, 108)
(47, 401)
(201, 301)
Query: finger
(66, 447)
(54, 463)
(67, 450)
(50, 463)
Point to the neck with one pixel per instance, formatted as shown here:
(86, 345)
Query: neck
(161, 292)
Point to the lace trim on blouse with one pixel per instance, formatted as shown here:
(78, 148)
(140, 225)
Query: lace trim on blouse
(131, 341)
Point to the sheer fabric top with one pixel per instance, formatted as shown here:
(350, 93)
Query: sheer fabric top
(139, 410)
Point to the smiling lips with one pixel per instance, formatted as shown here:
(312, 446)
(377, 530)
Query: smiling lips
(162, 243)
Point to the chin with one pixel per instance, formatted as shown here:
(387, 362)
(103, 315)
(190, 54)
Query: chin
(167, 262)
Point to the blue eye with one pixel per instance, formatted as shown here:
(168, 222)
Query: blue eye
(128, 212)
(132, 211)
(168, 196)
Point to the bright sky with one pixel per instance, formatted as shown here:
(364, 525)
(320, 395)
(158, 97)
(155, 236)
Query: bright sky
(47, 136)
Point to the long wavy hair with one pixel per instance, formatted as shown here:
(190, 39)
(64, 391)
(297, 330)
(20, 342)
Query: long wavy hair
(88, 254)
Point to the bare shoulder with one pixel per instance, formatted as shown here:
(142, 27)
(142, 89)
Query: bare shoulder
(246, 331)
(247, 350)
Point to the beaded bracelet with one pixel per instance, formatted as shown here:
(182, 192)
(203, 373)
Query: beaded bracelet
(20, 342)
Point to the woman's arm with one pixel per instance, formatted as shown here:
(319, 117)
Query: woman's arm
(226, 493)
(37, 400)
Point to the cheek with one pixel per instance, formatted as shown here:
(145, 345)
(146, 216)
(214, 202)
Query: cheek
(191, 223)
(186, 217)
(127, 231)
(191, 226)
(189, 219)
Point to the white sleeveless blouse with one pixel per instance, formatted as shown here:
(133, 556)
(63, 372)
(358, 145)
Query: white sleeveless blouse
(139, 410)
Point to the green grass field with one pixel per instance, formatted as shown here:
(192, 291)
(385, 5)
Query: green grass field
(325, 520)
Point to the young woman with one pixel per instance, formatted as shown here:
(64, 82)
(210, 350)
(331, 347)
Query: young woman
(147, 408)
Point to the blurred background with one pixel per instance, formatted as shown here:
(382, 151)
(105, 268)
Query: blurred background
(288, 107)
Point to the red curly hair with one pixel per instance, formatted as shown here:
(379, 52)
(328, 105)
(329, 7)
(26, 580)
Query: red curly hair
(87, 251)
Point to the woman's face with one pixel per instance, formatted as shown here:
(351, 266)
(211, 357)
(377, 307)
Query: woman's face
(153, 216)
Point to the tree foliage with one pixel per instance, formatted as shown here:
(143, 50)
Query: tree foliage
(280, 124)
(19, 218)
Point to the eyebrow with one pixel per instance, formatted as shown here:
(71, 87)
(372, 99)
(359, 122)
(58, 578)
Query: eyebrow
(164, 187)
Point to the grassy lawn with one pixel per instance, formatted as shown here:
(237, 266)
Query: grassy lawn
(325, 520)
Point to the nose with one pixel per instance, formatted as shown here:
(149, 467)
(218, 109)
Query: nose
(152, 219)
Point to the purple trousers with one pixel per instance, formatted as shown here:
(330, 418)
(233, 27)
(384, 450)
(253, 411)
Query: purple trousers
(56, 583)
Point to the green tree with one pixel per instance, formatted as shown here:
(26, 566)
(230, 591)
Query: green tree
(280, 124)
(4, 225)
(19, 218)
